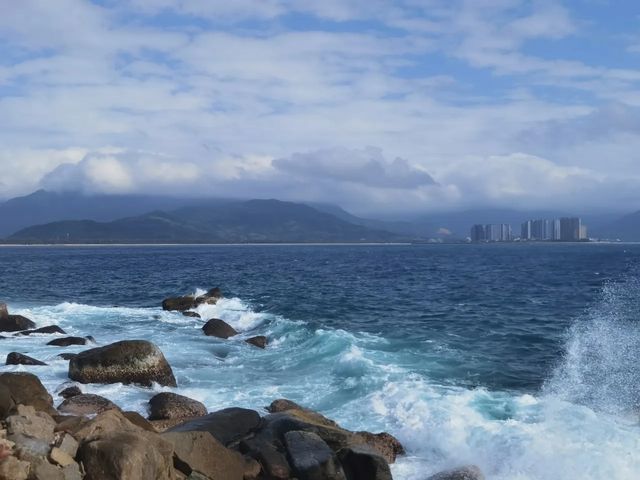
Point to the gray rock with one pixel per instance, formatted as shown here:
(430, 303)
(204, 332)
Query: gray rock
(362, 463)
(311, 458)
(31, 423)
(227, 426)
(128, 361)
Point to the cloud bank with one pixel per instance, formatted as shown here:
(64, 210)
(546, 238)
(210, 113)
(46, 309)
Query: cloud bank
(380, 106)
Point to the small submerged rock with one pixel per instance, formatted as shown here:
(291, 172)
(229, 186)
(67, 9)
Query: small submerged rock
(67, 341)
(67, 355)
(127, 361)
(218, 328)
(15, 358)
(167, 405)
(69, 392)
(259, 341)
(469, 472)
(191, 314)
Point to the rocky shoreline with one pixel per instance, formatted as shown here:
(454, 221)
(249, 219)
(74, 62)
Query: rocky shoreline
(89, 437)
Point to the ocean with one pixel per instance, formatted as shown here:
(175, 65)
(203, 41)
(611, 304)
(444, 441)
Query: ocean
(521, 359)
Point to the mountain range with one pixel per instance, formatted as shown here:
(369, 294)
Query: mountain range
(69, 217)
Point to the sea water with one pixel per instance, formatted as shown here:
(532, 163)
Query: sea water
(521, 359)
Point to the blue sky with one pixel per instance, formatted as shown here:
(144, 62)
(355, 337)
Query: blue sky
(381, 106)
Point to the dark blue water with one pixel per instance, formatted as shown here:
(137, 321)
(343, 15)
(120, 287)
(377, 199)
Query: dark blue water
(520, 358)
(495, 314)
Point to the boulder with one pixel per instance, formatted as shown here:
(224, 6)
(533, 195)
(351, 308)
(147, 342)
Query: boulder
(41, 469)
(362, 463)
(139, 421)
(311, 458)
(260, 341)
(29, 448)
(200, 452)
(45, 330)
(179, 303)
(469, 472)
(191, 314)
(128, 361)
(67, 444)
(15, 323)
(69, 392)
(218, 328)
(227, 426)
(167, 405)
(67, 341)
(109, 421)
(290, 416)
(23, 388)
(127, 455)
(15, 358)
(270, 454)
(86, 404)
(60, 457)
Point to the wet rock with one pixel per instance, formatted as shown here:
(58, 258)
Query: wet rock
(311, 458)
(199, 451)
(179, 303)
(31, 423)
(129, 455)
(189, 301)
(191, 314)
(270, 454)
(227, 426)
(128, 361)
(218, 328)
(26, 389)
(15, 323)
(86, 404)
(469, 472)
(69, 392)
(167, 405)
(13, 469)
(15, 358)
(67, 341)
(49, 329)
(362, 463)
(260, 341)
(385, 444)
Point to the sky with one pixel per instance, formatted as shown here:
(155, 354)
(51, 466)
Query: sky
(380, 106)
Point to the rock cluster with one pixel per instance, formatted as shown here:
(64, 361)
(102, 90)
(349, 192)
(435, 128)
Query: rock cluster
(89, 437)
(187, 302)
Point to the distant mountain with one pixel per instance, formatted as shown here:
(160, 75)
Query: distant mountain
(211, 222)
(417, 228)
(626, 228)
(45, 207)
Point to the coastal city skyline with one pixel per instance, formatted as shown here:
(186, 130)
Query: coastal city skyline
(564, 229)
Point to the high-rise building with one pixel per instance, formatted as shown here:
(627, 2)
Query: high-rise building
(495, 232)
(478, 233)
(570, 229)
(555, 229)
(583, 233)
(540, 230)
(525, 230)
